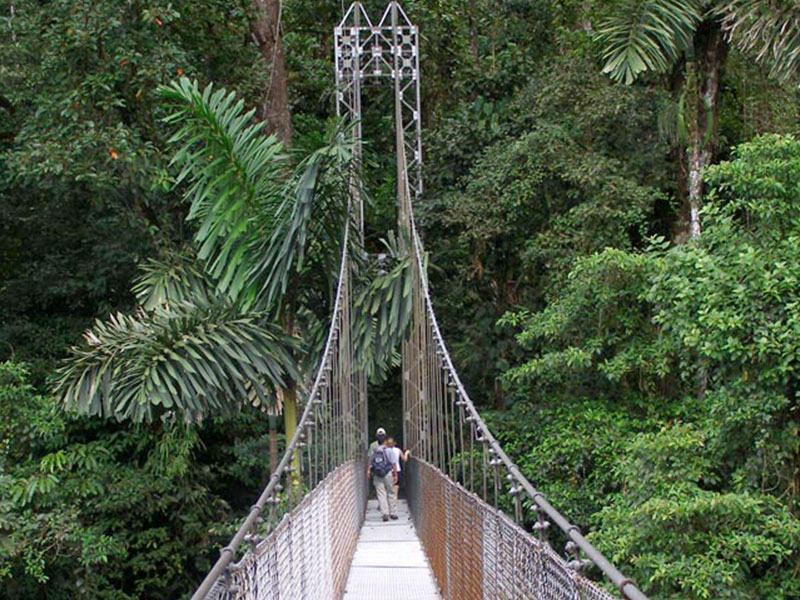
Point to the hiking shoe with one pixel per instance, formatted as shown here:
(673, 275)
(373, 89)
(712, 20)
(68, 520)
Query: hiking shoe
(385, 517)
(395, 517)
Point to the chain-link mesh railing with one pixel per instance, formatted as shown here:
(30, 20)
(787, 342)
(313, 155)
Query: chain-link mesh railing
(477, 552)
(301, 533)
(307, 554)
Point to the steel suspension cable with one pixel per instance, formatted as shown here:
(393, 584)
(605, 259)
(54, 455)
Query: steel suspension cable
(494, 457)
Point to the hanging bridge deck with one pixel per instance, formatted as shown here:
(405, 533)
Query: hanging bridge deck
(389, 562)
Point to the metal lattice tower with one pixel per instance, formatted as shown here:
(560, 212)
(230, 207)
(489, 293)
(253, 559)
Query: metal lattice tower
(389, 51)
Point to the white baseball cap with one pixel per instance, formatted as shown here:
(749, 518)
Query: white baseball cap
(381, 431)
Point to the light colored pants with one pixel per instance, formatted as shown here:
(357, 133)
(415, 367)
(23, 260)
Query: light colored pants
(384, 486)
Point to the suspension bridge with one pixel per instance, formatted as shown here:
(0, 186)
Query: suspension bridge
(460, 538)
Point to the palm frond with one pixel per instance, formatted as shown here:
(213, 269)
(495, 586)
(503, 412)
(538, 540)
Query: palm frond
(234, 173)
(178, 279)
(767, 29)
(382, 310)
(187, 359)
(312, 215)
(646, 35)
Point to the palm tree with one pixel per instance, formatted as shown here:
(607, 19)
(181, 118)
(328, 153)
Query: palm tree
(206, 337)
(642, 36)
(220, 327)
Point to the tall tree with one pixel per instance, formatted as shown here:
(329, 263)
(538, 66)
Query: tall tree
(695, 35)
(206, 338)
(265, 25)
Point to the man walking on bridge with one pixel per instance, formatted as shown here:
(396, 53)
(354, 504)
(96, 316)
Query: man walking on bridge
(384, 475)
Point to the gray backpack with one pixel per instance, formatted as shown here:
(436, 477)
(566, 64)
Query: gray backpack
(380, 462)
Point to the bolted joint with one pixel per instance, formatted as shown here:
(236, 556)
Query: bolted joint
(622, 585)
(579, 565)
(541, 526)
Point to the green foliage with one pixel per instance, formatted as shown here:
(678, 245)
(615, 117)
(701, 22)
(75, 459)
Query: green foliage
(704, 497)
(543, 182)
(90, 510)
(233, 172)
(558, 184)
(255, 224)
(83, 185)
(638, 36)
(199, 352)
(769, 31)
(568, 449)
(598, 335)
(684, 540)
(382, 310)
(732, 301)
(646, 35)
(190, 359)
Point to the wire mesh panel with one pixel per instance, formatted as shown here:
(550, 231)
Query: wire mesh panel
(479, 553)
(307, 554)
(464, 545)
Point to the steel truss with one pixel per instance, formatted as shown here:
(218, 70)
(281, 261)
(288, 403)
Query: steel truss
(388, 50)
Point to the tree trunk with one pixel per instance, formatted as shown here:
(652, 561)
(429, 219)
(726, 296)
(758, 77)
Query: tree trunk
(289, 393)
(499, 396)
(265, 25)
(702, 109)
(273, 443)
(473, 30)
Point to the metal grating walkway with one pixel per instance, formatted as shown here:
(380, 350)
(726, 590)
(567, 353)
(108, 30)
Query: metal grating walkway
(389, 562)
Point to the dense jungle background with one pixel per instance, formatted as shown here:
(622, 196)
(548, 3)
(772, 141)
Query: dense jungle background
(615, 258)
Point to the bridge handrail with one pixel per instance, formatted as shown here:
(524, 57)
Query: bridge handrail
(627, 588)
(228, 553)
